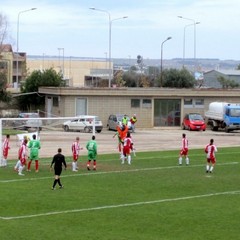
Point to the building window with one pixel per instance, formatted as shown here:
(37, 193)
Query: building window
(55, 102)
(167, 112)
(146, 103)
(199, 102)
(135, 103)
(188, 102)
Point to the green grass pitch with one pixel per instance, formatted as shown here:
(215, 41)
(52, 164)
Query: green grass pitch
(151, 199)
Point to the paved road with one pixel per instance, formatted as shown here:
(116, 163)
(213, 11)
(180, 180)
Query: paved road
(145, 140)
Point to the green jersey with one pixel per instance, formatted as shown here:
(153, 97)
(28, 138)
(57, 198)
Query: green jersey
(34, 146)
(125, 120)
(92, 149)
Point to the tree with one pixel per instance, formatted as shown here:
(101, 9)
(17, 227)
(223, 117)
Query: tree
(227, 83)
(130, 79)
(120, 82)
(46, 78)
(174, 78)
(4, 95)
(145, 81)
(3, 29)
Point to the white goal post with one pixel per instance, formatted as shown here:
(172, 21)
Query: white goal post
(47, 124)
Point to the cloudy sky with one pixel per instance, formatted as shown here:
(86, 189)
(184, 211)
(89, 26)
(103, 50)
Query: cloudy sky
(84, 33)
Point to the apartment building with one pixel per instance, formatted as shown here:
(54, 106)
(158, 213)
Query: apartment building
(75, 71)
(13, 65)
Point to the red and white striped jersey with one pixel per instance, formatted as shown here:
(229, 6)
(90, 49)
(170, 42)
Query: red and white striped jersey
(210, 149)
(184, 143)
(127, 142)
(22, 152)
(76, 148)
(5, 145)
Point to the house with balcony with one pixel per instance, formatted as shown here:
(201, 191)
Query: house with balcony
(13, 65)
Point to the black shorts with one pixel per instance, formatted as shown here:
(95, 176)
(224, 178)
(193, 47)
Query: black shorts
(58, 171)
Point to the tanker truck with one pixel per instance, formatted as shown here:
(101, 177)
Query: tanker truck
(223, 115)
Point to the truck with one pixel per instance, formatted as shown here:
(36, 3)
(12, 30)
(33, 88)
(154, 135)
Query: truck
(223, 115)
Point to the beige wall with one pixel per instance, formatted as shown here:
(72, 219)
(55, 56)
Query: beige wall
(103, 106)
(104, 101)
(74, 70)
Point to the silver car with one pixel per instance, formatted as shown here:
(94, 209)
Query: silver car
(83, 123)
(116, 119)
(27, 124)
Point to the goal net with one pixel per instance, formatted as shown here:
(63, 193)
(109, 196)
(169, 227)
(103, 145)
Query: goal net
(53, 133)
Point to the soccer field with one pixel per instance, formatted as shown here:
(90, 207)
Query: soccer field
(153, 198)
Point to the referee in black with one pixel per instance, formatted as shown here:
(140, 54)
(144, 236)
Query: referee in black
(58, 161)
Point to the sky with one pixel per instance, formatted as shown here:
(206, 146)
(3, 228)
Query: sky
(71, 25)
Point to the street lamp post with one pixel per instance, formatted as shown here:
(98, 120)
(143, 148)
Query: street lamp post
(162, 59)
(109, 41)
(184, 38)
(31, 9)
(194, 24)
(61, 65)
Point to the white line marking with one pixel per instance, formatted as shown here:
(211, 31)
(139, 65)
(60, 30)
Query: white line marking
(20, 179)
(120, 205)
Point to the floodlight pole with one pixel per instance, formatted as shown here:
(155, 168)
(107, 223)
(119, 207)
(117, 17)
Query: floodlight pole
(17, 71)
(194, 24)
(109, 41)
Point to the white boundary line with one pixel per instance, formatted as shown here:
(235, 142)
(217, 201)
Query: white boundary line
(20, 179)
(120, 205)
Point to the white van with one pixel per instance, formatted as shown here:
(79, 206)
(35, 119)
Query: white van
(83, 123)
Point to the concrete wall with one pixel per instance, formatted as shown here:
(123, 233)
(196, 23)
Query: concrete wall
(104, 101)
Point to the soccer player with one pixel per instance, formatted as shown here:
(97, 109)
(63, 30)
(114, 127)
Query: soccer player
(127, 147)
(34, 145)
(58, 161)
(119, 142)
(22, 156)
(184, 150)
(75, 152)
(210, 150)
(25, 138)
(119, 137)
(133, 121)
(121, 133)
(92, 153)
(5, 148)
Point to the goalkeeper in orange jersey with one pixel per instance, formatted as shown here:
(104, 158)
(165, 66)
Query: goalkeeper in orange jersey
(121, 134)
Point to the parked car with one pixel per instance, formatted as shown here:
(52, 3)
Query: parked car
(83, 123)
(26, 124)
(173, 118)
(193, 121)
(116, 119)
